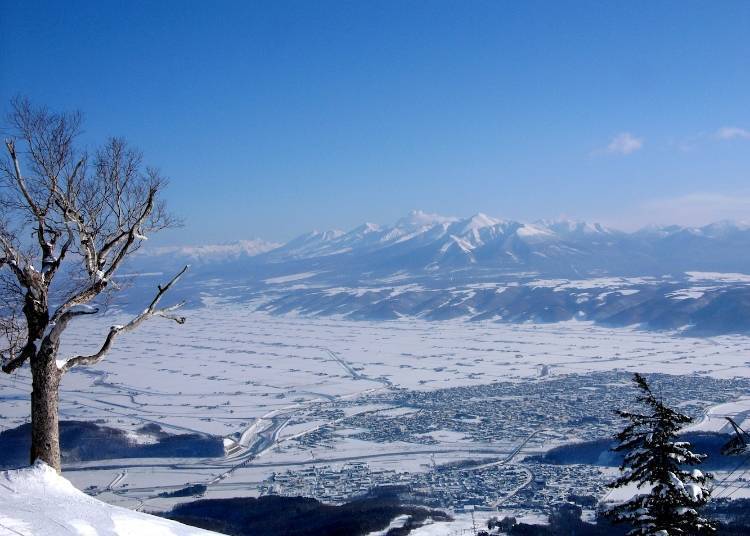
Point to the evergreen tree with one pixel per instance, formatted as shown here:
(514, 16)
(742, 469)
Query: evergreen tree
(654, 458)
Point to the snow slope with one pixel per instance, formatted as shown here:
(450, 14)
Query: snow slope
(36, 501)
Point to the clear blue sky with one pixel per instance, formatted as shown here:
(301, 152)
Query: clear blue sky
(273, 118)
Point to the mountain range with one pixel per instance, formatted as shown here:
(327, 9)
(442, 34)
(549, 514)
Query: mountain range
(435, 267)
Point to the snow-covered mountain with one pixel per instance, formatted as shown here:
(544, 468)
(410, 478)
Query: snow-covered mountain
(166, 258)
(483, 267)
(429, 243)
(213, 252)
(422, 243)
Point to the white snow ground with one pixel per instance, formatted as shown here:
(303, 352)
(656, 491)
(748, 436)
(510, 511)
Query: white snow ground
(235, 372)
(36, 501)
(231, 370)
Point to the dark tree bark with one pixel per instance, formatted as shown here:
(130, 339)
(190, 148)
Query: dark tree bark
(90, 216)
(45, 429)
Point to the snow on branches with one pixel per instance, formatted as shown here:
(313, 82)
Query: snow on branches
(654, 459)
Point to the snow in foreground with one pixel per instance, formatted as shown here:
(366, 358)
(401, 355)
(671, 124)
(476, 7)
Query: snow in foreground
(36, 501)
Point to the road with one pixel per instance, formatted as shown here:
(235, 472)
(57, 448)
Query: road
(507, 459)
(354, 373)
(514, 491)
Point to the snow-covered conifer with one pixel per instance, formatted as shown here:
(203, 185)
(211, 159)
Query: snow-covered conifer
(655, 459)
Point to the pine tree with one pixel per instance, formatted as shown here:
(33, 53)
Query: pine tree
(654, 458)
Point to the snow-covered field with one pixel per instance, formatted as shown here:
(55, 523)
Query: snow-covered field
(252, 377)
(233, 365)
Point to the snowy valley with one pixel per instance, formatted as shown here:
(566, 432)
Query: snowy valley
(461, 414)
(468, 366)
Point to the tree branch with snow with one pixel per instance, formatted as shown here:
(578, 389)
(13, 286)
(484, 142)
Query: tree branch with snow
(61, 207)
(114, 331)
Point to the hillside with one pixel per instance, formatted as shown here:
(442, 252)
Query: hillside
(36, 501)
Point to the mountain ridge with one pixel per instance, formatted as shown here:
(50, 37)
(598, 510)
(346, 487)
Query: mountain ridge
(479, 240)
(483, 268)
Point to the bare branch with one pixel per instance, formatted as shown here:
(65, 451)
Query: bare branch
(27, 352)
(63, 251)
(134, 232)
(12, 259)
(166, 313)
(114, 331)
(11, 145)
(59, 326)
(101, 277)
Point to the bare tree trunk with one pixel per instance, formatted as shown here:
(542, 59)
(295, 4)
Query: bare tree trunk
(45, 396)
(45, 381)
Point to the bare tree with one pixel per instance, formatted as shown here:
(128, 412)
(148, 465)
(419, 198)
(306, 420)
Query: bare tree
(67, 223)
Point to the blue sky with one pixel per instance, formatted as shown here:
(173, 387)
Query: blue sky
(274, 118)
